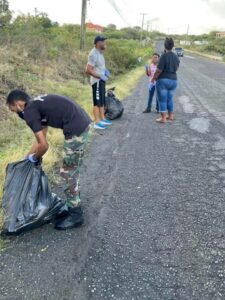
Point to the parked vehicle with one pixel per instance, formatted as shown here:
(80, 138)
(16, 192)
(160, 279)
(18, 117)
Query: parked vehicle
(179, 51)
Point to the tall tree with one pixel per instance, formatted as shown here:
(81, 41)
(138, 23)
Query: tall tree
(5, 13)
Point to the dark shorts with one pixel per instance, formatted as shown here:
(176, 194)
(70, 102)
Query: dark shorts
(98, 90)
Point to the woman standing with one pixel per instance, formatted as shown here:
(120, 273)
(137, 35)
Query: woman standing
(166, 76)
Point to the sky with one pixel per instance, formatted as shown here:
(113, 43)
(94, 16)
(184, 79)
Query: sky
(170, 16)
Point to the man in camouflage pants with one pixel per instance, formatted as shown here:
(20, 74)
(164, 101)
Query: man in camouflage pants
(61, 112)
(72, 161)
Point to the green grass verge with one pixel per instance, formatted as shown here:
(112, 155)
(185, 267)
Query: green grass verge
(16, 138)
(3, 244)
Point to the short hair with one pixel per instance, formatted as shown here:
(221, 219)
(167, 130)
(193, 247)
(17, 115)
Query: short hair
(17, 95)
(169, 43)
(156, 54)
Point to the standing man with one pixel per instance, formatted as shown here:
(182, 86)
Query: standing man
(99, 75)
(64, 113)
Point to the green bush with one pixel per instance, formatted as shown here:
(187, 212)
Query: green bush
(38, 48)
(120, 55)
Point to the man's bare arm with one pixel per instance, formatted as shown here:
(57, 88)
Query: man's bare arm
(90, 71)
(41, 145)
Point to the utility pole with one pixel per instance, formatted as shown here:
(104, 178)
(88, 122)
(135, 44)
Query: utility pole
(83, 24)
(142, 26)
(187, 31)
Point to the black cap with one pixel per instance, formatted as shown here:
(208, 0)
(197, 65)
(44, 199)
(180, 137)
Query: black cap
(99, 38)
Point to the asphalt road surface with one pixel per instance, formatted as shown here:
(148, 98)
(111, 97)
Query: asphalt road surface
(154, 200)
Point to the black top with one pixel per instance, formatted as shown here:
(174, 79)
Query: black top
(168, 64)
(58, 112)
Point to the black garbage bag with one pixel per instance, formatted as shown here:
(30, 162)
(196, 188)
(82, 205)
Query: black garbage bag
(27, 199)
(113, 107)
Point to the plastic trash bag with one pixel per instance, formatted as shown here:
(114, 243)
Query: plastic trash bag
(113, 107)
(27, 199)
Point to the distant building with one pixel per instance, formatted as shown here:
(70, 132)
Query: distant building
(94, 27)
(185, 43)
(199, 43)
(220, 34)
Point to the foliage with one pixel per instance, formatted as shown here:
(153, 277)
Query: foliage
(5, 13)
(111, 27)
(215, 45)
(121, 56)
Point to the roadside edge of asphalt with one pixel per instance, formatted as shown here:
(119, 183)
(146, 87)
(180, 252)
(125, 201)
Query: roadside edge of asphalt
(211, 57)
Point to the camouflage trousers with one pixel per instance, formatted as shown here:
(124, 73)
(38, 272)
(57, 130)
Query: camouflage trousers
(72, 161)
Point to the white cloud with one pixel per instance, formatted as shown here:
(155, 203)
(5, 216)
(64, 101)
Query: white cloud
(217, 7)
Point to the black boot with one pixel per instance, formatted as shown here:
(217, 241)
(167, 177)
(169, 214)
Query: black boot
(73, 219)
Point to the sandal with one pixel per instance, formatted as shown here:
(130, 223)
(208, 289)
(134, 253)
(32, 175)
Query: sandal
(160, 121)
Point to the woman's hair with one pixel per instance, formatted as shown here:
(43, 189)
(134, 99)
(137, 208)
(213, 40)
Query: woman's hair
(156, 54)
(17, 95)
(169, 43)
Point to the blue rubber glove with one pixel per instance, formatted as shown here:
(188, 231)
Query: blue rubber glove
(32, 159)
(107, 73)
(104, 78)
(146, 67)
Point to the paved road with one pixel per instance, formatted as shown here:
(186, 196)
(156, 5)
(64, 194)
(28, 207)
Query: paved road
(155, 208)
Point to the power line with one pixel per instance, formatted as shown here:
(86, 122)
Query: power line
(118, 10)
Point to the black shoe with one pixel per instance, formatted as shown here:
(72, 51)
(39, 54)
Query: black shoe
(62, 215)
(5, 233)
(146, 111)
(73, 219)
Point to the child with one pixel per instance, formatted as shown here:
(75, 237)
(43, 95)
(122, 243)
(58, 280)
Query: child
(150, 71)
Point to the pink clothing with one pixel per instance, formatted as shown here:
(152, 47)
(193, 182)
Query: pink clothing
(153, 70)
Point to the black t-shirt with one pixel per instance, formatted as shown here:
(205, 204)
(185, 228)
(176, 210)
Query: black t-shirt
(55, 111)
(168, 64)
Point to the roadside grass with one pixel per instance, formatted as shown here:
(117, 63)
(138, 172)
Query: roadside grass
(16, 137)
(201, 52)
(2, 244)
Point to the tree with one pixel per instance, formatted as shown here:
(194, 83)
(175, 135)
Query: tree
(111, 26)
(212, 35)
(131, 33)
(5, 13)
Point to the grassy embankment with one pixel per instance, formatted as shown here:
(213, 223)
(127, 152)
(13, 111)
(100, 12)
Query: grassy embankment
(206, 54)
(214, 49)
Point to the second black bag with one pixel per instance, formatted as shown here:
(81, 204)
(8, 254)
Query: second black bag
(113, 107)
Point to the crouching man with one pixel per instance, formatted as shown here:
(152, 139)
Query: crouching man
(58, 112)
